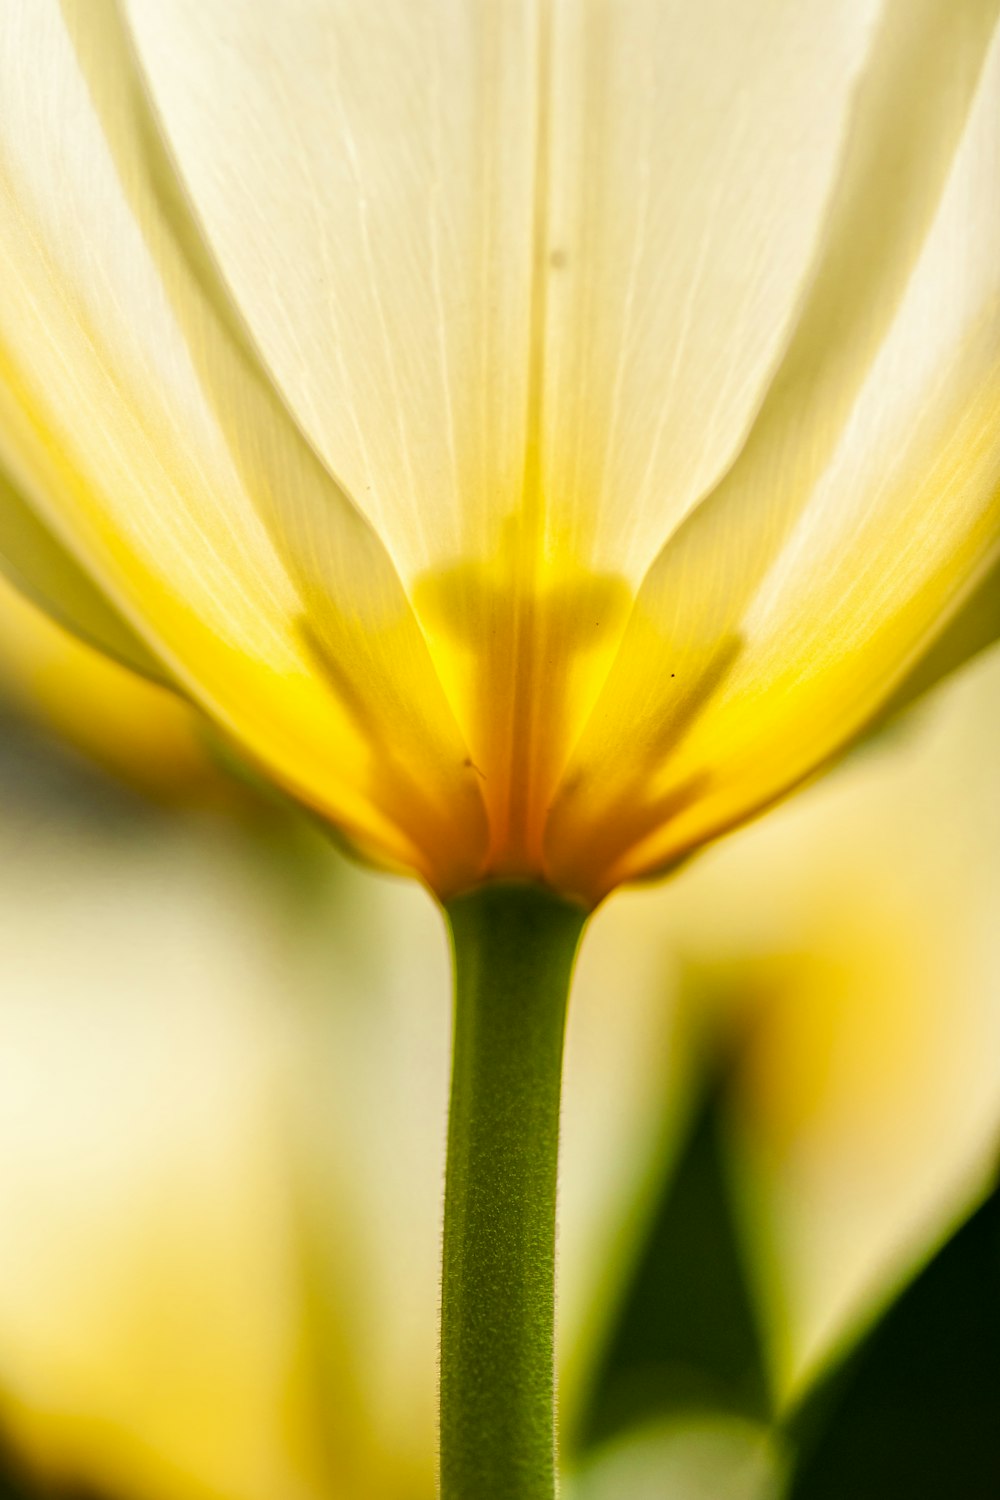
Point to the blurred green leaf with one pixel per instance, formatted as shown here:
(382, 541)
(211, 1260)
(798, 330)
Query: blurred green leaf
(698, 1457)
(686, 1337)
(914, 1414)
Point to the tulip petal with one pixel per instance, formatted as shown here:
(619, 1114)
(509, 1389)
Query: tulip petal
(33, 560)
(520, 278)
(183, 483)
(694, 151)
(864, 507)
(504, 255)
(364, 176)
(975, 628)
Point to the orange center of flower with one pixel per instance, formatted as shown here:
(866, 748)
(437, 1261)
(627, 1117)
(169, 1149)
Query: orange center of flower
(522, 641)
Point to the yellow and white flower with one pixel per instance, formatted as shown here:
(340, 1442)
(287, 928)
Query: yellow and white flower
(539, 434)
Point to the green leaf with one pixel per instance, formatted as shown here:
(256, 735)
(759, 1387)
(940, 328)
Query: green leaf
(915, 1412)
(686, 1338)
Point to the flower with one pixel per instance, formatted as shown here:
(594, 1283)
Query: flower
(540, 435)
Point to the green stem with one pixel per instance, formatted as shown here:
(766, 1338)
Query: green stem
(514, 947)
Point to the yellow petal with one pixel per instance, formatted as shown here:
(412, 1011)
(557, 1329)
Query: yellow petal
(136, 729)
(973, 629)
(34, 561)
(864, 507)
(176, 474)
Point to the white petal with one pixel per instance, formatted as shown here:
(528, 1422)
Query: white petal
(694, 149)
(364, 175)
(865, 505)
(181, 481)
(495, 249)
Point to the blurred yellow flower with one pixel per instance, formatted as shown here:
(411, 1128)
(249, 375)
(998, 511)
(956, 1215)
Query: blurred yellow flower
(135, 729)
(208, 1290)
(850, 946)
(150, 1308)
(539, 434)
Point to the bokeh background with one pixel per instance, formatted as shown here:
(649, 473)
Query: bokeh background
(223, 1078)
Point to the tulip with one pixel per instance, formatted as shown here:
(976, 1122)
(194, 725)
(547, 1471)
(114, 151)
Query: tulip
(538, 435)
